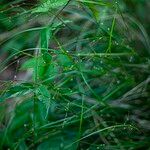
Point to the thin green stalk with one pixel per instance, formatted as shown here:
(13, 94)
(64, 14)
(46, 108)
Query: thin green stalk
(111, 35)
(35, 98)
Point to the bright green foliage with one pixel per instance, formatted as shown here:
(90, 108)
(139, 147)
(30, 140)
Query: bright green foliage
(49, 5)
(74, 75)
(44, 96)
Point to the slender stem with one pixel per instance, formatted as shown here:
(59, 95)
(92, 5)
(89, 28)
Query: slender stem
(35, 98)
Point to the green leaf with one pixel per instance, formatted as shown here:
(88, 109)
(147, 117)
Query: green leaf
(37, 64)
(46, 34)
(44, 96)
(64, 60)
(49, 5)
(16, 91)
(31, 63)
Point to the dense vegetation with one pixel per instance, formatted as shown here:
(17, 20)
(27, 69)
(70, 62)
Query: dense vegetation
(74, 74)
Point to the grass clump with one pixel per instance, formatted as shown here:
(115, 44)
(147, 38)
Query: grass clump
(78, 78)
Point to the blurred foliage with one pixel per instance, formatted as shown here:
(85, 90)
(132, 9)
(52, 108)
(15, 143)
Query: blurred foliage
(74, 74)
